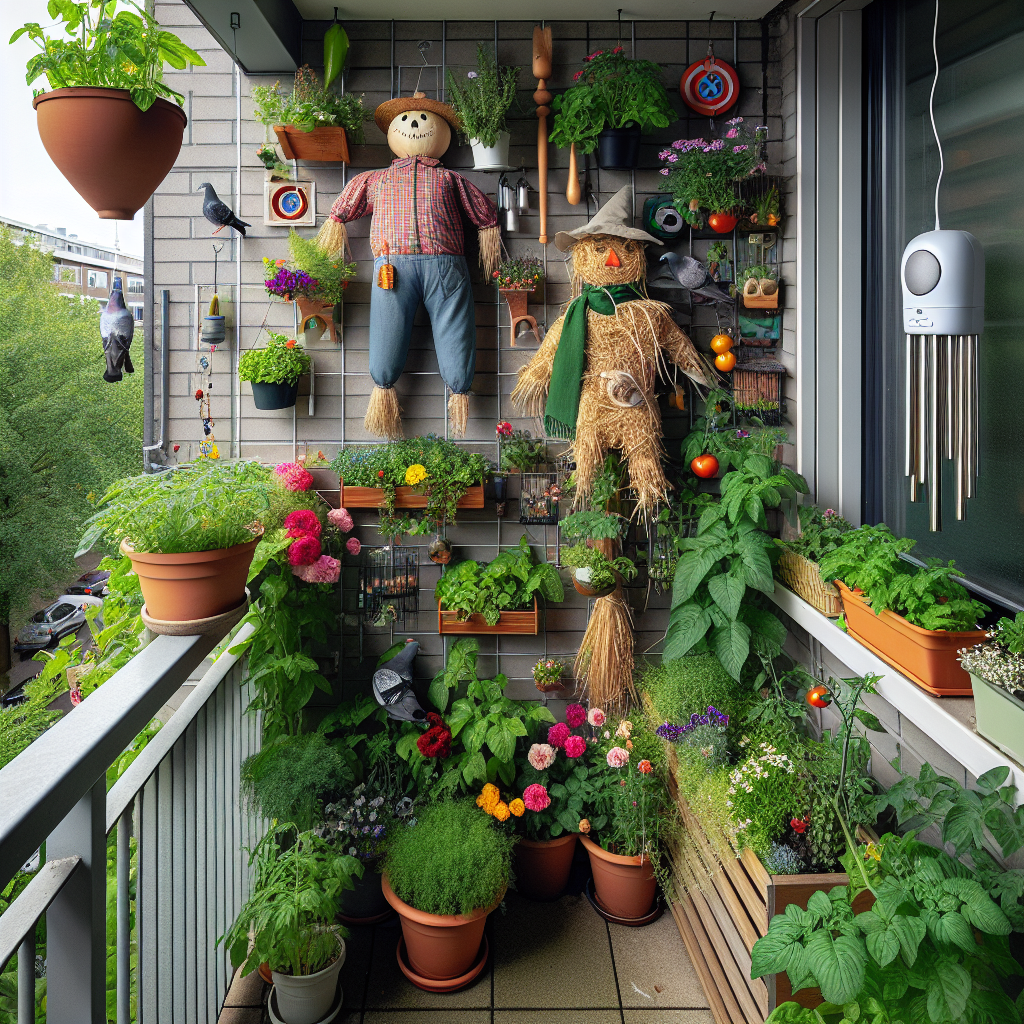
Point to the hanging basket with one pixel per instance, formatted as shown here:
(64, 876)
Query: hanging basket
(801, 576)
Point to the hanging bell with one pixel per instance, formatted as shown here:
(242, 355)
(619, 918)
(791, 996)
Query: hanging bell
(505, 194)
(523, 196)
(511, 219)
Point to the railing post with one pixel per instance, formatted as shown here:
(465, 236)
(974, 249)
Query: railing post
(27, 979)
(76, 940)
(124, 932)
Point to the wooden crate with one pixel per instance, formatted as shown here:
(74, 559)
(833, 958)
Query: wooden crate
(405, 497)
(509, 622)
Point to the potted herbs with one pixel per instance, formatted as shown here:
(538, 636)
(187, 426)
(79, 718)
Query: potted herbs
(482, 99)
(820, 533)
(997, 678)
(274, 371)
(106, 97)
(191, 534)
(547, 675)
(444, 875)
(288, 922)
(612, 100)
(311, 122)
(518, 452)
(759, 286)
(594, 574)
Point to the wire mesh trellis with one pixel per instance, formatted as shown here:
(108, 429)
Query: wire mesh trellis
(389, 585)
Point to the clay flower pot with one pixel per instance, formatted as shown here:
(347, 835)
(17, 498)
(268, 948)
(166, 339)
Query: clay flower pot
(193, 585)
(311, 308)
(113, 154)
(625, 886)
(542, 867)
(581, 581)
(439, 946)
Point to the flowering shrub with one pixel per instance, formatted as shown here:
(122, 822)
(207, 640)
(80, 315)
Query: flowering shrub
(517, 450)
(293, 477)
(547, 674)
(1001, 660)
(288, 284)
(764, 793)
(519, 272)
(359, 824)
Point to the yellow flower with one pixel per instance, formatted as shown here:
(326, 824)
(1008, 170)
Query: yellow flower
(415, 474)
(517, 807)
(873, 852)
(501, 811)
(489, 798)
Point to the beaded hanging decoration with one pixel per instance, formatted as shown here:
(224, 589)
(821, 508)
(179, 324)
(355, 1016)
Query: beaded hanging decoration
(204, 374)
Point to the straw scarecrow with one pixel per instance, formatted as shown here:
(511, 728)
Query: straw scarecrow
(416, 235)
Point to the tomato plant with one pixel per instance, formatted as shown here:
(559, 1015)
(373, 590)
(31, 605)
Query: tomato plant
(705, 466)
(819, 697)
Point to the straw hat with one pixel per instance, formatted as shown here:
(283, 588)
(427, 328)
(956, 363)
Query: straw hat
(388, 110)
(614, 218)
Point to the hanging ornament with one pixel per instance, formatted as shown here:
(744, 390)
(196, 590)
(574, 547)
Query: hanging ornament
(710, 86)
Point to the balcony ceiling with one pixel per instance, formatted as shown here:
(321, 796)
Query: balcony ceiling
(535, 10)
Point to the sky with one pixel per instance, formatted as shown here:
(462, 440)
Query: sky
(31, 188)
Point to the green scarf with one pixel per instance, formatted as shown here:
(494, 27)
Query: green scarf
(571, 355)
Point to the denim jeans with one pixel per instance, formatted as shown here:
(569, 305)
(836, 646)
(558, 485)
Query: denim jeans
(441, 283)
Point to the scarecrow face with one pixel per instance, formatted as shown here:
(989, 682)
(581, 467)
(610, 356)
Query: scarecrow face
(419, 133)
(608, 259)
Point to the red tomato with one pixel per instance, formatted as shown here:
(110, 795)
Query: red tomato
(722, 223)
(705, 466)
(819, 697)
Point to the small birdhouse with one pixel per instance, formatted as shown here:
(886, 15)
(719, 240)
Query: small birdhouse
(389, 583)
(757, 390)
(539, 499)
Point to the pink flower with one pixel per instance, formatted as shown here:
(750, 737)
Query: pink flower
(340, 519)
(575, 746)
(294, 477)
(305, 551)
(732, 133)
(738, 149)
(617, 757)
(664, 170)
(575, 715)
(76, 695)
(735, 120)
(352, 546)
(536, 797)
(558, 734)
(541, 756)
(717, 144)
(596, 717)
(302, 523)
(324, 570)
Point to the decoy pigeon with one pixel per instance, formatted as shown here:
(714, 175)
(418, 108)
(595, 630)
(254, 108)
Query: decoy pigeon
(694, 277)
(219, 213)
(392, 686)
(117, 326)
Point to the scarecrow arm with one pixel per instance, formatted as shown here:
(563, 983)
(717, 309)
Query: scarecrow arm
(683, 352)
(480, 209)
(353, 203)
(531, 390)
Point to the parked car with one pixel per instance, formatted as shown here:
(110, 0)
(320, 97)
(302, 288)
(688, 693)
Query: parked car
(14, 696)
(92, 583)
(65, 615)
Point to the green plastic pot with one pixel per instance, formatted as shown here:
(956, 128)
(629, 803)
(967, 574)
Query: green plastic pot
(999, 717)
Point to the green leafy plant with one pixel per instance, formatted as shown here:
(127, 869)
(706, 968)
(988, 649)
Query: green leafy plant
(483, 97)
(820, 533)
(504, 584)
(525, 271)
(601, 568)
(281, 361)
(610, 91)
(758, 273)
(331, 275)
(453, 861)
(714, 433)
(201, 506)
(309, 105)
(1001, 659)
(108, 48)
(589, 524)
(288, 921)
(518, 450)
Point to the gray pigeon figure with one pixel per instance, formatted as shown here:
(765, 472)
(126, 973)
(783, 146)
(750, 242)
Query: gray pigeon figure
(694, 277)
(392, 686)
(219, 213)
(117, 327)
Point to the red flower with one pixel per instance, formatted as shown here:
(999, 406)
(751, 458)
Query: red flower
(575, 746)
(495, 274)
(437, 740)
(199, 394)
(503, 429)
(798, 826)
(645, 767)
(380, 473)
(290, 344)
(558, 734)
(302, 523)
(305, 551)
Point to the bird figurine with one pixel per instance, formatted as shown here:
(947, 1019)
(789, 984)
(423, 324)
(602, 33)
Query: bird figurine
(117, 327)
(694, 277)
(216, 211)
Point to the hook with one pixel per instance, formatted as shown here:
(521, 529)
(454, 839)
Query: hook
(620, 26)
(711, 47)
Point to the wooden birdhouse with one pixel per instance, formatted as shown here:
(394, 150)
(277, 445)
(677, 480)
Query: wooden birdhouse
(758, 390)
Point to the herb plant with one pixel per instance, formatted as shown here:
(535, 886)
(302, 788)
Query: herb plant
(107, 48)
(602, 569)
(201, 506)
(820, 533)
(589, 524)
(331, 275)
(309, 105)
(282, 361)
(483, 97)
(610, 91)
(504, 584)
(517, 449)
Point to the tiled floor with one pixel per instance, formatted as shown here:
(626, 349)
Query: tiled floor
(544, 957)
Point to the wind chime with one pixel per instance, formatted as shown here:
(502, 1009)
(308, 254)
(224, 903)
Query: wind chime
(210, 334)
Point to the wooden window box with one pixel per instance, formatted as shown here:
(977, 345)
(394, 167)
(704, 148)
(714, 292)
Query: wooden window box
(509, 622)
(405, 497)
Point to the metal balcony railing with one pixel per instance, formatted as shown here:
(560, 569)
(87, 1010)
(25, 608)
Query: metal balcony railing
(180, 802)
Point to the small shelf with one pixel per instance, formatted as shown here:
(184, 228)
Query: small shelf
(405, 497)
(509, 622)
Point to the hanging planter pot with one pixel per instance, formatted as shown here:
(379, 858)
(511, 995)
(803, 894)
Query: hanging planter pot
(491, 158)
(581, 580)
(280, 395)
(618, 149)
(440, 551)
(83, 129)
(322, 315)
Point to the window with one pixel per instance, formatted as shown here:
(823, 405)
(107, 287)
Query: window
(137, 313)
(97, 279)
(136, 285)
(980, 119)
(62, 611)
(64, 274)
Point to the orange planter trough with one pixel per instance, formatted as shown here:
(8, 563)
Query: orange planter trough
(405, 497)
(327, 145)
(509, 622)
(927, 656)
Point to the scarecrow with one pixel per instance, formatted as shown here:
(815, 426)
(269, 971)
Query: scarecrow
(593, 377)
(416, 235)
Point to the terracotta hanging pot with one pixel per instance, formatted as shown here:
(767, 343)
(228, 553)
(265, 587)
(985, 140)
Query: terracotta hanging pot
(581, 581)
(310, 308)
(625, 886)
(542, 867)
(113, 154)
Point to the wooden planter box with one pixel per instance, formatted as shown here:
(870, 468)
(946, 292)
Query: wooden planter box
(327, 145)
(405, 497)
(509, 622)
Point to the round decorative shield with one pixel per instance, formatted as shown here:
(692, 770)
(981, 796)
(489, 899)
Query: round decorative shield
(289, 203)
(709, 86)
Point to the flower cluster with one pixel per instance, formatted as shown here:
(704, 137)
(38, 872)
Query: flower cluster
(437, 740)
(415, 475)
(340, 519)
(324, 570)
(503, 429)
(520, 272)
(747, 774)
(289, 284)
(994, 663)
(675, 733)
(359, 824)
(293, 477)
(490, 802)
(547, 673)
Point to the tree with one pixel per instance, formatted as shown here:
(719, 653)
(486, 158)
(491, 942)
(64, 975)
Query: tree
(65, 434)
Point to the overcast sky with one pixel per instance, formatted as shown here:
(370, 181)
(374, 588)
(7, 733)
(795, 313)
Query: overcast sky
(31, 188)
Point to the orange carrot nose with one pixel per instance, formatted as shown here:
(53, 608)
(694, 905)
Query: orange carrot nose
(613, 260)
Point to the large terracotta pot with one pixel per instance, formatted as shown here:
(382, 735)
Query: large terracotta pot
(927, 656)
(542, 868)
(626, 886)
(114, 154)
(439, 946)
(193, 585)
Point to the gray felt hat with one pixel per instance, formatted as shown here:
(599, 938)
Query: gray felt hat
(614, 218)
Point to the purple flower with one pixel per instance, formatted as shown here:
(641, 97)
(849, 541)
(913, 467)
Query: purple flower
(665, 170)
(732, 133)
(672, 157)
(472, 74)
(681, 144)
(663, 155)
(739, 433)
(738, 149)
(717, 144)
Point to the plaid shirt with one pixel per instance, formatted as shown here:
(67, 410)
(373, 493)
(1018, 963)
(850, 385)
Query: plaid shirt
(416, 205)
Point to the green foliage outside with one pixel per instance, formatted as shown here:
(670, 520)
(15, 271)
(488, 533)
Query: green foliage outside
(331, 275)
(820, 533)
(483, 100)
(602, 569)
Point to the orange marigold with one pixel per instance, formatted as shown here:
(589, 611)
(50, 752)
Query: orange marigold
(501, 810)
(517, 807)
(645, 767)
(584, 825)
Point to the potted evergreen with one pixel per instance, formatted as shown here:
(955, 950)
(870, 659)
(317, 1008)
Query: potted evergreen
(997, 678)
(482, 101)
(613, 99)
(106, 97)
(594, 573)
(274, 372)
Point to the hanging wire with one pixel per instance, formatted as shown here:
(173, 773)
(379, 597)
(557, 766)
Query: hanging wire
(931, 109)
